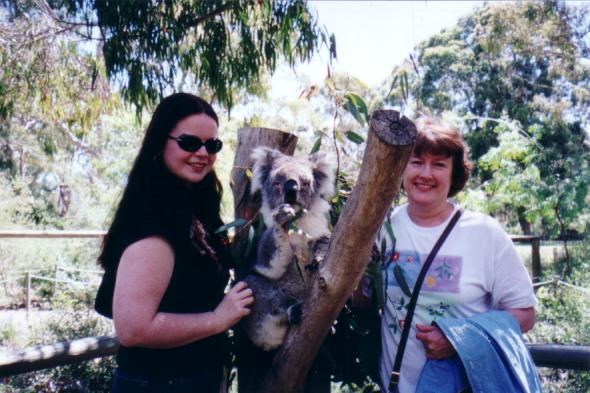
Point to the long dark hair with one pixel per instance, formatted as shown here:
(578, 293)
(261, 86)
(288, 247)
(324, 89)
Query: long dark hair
(156, 202)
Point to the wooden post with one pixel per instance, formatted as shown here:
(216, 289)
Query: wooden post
(536, 259)
(535, 241)
(389, 145)
(28, 291)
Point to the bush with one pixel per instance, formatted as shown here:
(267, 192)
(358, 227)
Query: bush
(563, 317)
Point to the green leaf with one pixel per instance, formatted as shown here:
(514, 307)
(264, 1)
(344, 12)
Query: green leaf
(389, 230)
(235, 223)
(316, 145)
(250, 241)
(357, 107)
(354, 137)
(404, 86)
(398, 273)
(383, 250)
(351, 108)
(393, 82)
(236, 255)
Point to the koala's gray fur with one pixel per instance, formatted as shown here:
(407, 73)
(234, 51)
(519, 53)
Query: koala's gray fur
(290, 186)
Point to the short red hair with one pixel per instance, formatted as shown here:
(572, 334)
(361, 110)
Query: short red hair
(442, 139)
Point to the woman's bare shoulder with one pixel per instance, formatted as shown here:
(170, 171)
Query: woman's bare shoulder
(149, 248)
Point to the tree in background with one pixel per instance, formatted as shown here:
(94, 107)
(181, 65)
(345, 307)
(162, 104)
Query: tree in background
(54, 103)
(153, 47)
(517, 75)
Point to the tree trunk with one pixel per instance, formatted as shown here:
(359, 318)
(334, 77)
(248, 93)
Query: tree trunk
(389, 145)
(525, 225)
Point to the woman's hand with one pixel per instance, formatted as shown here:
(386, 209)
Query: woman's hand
(436, 344)
(234, 305)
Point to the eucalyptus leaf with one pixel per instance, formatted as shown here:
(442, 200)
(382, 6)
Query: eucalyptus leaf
(316, 145)
(250, 241)
(236, 223)
(354, 137)
(389, 229)
(398, 273)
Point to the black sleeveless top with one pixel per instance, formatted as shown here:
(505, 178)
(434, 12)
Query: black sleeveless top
(197, 285)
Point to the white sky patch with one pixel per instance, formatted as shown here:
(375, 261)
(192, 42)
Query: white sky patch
(371, 38)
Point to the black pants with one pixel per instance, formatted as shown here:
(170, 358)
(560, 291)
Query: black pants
(206, 382)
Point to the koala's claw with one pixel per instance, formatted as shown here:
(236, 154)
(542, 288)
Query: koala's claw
(284, 213)
(295, 313)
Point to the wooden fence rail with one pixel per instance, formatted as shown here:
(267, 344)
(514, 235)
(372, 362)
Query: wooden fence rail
(51, 234)
(58, 354)
(575, 357)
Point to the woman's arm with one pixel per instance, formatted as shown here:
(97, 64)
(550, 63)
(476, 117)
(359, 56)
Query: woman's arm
(524, 316)
(143, 275)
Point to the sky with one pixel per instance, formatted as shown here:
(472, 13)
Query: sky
(374, 36)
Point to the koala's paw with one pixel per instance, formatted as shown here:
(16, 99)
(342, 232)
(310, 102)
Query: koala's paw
(312, 266)
(284, 213)
(295, 312)
(319, 250)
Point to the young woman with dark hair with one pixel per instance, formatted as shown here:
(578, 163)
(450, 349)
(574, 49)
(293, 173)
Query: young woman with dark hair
(165, 268)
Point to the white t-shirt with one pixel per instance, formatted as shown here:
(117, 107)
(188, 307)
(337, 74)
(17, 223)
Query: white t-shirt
(476, 270)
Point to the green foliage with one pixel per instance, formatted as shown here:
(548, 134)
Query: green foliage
(563, 317)
(357, 107)
(63, 133)
(517, 75)
(151, 47)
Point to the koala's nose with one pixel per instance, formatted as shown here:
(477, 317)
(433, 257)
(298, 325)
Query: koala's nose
(291, 188)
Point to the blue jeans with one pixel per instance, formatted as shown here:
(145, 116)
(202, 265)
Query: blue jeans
(205, 382)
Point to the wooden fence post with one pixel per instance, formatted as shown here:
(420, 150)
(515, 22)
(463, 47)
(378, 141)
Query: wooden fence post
(28, 291)
(536, 258)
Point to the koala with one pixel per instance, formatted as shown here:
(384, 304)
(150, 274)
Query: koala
(294, 190)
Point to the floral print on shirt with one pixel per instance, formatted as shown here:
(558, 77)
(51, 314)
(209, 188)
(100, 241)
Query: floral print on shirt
(443, 277)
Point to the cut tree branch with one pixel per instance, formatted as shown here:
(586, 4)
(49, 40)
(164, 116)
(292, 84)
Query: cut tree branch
(389, 145)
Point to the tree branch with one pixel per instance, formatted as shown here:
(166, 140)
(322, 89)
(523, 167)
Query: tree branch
(389, 145)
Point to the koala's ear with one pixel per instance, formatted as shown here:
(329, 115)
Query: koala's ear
(262, 158)
(323, 173)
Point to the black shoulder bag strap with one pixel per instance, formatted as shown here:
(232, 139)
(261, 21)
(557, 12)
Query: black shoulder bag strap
(397, 365)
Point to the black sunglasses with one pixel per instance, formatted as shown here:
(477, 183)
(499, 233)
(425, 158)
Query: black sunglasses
(192, 143)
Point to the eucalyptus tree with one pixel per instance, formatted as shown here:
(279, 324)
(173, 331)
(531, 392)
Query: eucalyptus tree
(152, 47)
(519, 68)
(52, 97)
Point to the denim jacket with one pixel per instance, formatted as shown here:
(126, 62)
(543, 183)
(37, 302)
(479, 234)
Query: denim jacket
(491, 358)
